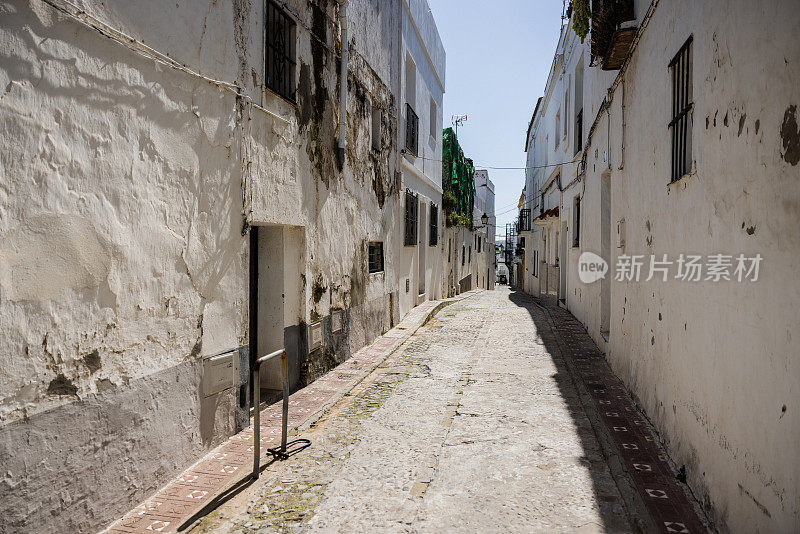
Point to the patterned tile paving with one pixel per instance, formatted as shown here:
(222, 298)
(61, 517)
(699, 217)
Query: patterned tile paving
(655, 481)
(188, 493)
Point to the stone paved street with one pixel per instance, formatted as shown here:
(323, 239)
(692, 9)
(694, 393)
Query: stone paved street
(473, 425)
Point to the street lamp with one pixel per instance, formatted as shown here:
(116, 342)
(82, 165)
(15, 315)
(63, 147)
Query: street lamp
(484, 219)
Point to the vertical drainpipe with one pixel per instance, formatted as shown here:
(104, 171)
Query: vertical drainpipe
(343, 84)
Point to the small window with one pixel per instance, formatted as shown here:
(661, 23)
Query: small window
(376, 257)
(579, 131)
(411, 219)
(449, 251)
(566, 111)
(376, 127)
(681, 123)
(558, 128)
(463, 254)
(280, 51)
(576, 223)
(433, 119)
(433, 238)
(470, 254)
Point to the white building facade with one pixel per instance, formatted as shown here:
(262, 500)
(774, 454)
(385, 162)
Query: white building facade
(422, 61)
(685, 146)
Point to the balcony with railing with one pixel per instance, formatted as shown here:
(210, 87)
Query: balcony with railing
(524, 220)
(610, 42)
(412, 131)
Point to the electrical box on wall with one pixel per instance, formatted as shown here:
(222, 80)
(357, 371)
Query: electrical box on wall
(315, 336)
(220, 372)
(621, 233)
(337, 321)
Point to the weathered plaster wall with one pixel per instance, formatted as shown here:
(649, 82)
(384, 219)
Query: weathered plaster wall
(124, 188)
(715, 365)
(120, 243)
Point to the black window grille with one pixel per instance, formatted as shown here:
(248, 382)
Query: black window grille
(579, 131)
(470, 254)
(279, 61)
(681, 122)
(524, 220)
(376, 257)
(412, 130)
(433, 238)
(412, 219)
(449, 250)
(576, 224)
(463, 254)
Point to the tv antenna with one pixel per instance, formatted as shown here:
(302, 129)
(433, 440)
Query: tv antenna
(458, 119)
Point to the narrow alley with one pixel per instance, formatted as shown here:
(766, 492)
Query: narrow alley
(474, 424)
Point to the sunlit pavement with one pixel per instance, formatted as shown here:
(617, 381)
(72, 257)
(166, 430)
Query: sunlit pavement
(477, 423)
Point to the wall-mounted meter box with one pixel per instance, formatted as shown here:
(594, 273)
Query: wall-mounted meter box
(315, 336)
(220, 372)
(621, 233)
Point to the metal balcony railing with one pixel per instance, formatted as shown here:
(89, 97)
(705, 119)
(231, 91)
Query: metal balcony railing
(524, 221)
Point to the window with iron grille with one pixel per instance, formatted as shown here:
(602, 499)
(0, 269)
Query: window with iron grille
(433, 237)
(279, 61)
(376, 257)
(578, 131)
(412, 130)
(412, 219)
(525, 220)
(681, 124)
(576, 223)
(463, 254)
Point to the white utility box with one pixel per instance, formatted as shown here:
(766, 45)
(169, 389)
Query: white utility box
(220, 372)
(315, 336)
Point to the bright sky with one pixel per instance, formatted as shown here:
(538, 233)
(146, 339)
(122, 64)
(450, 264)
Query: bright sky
(498, 57)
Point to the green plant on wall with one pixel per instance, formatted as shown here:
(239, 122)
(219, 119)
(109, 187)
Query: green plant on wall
(581, 12)
(458, 182)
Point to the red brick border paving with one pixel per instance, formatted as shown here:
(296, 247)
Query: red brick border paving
(646, 463)
(232, 461)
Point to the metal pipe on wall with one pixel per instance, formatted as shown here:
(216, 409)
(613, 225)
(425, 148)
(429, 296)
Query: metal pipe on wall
(343, 85)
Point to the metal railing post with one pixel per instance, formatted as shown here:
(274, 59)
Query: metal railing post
(257, 406)
(285, 417)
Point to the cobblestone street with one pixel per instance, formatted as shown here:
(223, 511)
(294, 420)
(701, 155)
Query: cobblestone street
(472, 425)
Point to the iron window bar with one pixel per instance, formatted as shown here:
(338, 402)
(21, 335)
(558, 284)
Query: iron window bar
(682, 106)
(412, 130)
(375, 259)
(433, 238)
(411, 219)
(280, 453)
(279, 52)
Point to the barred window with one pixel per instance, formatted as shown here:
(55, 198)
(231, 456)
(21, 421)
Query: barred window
(434, 225)
(376, 257)
(280, 51)
(412, 131)
(681, 123)
(411, 219)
